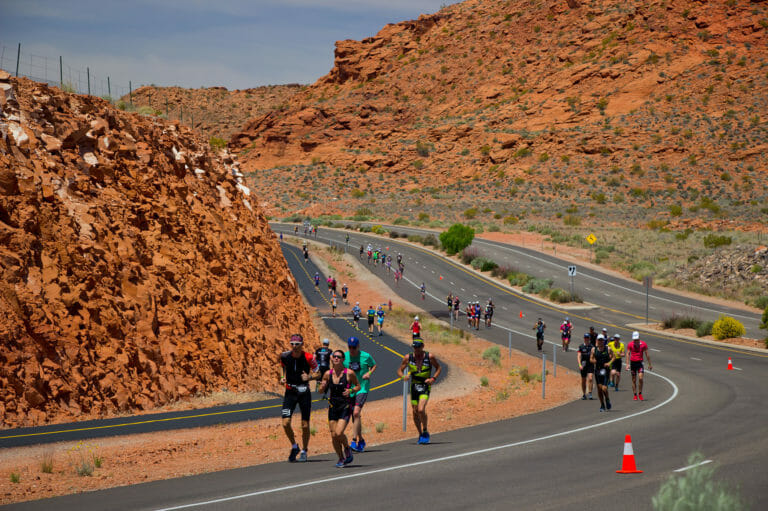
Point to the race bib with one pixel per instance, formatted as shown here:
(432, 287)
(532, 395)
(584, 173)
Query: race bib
(355, 366)
(602, 372)
(419, 387)
(302, 388)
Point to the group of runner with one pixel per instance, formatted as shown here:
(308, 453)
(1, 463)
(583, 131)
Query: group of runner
(345, 378)
(473, 310)
(600, 359)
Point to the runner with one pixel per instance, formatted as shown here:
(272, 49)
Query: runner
(416, 328)
(617, 348)
(342, 384)
(333, 286)
(488, 313)
(468, 312)
(456, 305)
(539, 327)
(592, 336)
(306, 253)
(297, 367)
(398, 276)
(356, 313)
(399, 258)
(362, 250)
(586, 368)
(371, 317)
(363, 365)
(420, 364)
(281, 235)
(389, 263)
(329, 280)
(449, 301)
(375, 257)
(602, 359)
(333, 305)
(317, 282)
(296, 230)
(565, 333)
(380, 319)
(344, 292)
(478, 312)
(323, 358)
(423, 289)
(636, 350)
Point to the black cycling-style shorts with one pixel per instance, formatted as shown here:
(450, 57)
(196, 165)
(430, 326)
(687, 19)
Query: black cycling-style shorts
(586, 369)
(292, 398)
(419, 389)
(602, 376)
(616, 366)
(339, 410)
(636, 367)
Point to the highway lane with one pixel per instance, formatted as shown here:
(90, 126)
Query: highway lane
(386, 350)
(593, 285)
(556, 459)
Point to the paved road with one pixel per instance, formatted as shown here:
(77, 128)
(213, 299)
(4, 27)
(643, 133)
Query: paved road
(386, 350)
(557, 459)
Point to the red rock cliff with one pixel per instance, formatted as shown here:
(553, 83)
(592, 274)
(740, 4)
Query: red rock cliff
(136, 268)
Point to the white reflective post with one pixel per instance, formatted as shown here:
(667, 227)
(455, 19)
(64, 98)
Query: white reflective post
(405, 401)
(543, 375)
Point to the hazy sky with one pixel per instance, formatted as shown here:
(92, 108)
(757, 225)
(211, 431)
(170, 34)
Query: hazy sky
(191, 43)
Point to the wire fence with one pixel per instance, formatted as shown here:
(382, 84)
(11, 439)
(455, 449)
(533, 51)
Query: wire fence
(56, 72)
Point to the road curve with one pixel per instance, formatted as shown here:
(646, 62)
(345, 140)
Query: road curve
(558, 459)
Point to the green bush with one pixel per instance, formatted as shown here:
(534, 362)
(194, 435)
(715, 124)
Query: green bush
(764, 320)
(217, 143)
(400, 221)
(478, 262)
(489, 266)
(696, 490)
(536, 286)
(394, 234)
(468, 255)
(457, 238)
(704, 329)
(761, 302)
(501, 272)
(727, 328)
(714, 240)
(493, 355)
(559, 295)
(518, 279)
(675, 321)
(430, 240)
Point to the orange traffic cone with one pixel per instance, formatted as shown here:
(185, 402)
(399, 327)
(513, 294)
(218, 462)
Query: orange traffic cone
(628, 460)
(730, 364)
(521, 314)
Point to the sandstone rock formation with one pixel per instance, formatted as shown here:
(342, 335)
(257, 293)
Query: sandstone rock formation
(136, 267)
(531, 109)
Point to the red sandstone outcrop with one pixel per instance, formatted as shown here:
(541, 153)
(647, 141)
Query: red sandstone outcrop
(136, 267)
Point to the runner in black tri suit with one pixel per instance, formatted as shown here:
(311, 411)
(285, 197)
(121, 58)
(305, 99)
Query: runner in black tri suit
(323, 358)
(602, 359)
(297, 368)
(586, 368)
(340, 382)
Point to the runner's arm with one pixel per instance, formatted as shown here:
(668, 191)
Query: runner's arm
(592, 358)
(352, 377)
(324, 381)
(438, 369)
(648, 356)
(402, 367)
(367, 376)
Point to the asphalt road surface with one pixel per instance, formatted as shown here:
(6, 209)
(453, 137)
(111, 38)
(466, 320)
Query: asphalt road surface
(562, 458)
(386, 350)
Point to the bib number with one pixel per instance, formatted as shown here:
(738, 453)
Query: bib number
(355, 366)
(419, 387)
(603, 372)
(301, 388)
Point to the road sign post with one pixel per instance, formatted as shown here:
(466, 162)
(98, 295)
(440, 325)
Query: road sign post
(571, 274)
(510, 344)
(648, 283)
(405, 401)
(554, 361)
(543, 375)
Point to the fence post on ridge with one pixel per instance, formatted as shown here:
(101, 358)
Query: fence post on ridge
(18, 59)
(130, 93)
(88, 76)
(61, 73)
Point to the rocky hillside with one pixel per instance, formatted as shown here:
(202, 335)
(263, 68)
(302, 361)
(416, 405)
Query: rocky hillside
(136, 267)
(213, 111)
(599, 111)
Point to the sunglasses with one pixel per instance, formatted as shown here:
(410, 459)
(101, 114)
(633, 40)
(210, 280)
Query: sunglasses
(296, 344)
(336, 356)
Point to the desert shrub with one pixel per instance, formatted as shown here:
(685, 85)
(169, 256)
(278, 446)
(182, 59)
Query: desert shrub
(559, 295)
(380, 427)
(217, 143)
(415, 238)
(483, 381)
(15, 477)
(696, 490)
(457, 238)
(518, 278)
(714, 240)
(675, 321)
(761, 302)
(727, 328)
(704, 329)
(422, 148)
(501, 272)
(468, 255)
(478, 262)
(536, 286)
(394, 234)
(431, 240)
(377, 229)
(525, 375)
(489, 266)
(764, 319)
(493, 355)
(401, 221)
(470, 213)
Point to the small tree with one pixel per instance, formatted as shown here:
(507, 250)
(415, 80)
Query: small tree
(697, 490)
(457, 238)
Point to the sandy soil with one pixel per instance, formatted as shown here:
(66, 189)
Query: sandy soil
(457, 401)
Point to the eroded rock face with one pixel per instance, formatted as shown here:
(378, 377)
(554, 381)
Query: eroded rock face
(136, 269)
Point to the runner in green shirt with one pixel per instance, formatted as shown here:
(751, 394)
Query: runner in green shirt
(363, 365)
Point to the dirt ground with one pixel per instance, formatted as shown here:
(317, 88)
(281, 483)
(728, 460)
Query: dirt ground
(476, 391)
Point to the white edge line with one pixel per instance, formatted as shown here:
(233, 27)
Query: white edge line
(430, 461)
(692, 466)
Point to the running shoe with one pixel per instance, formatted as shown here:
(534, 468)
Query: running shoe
(602, 408)
(303, 456)
(421, 439)
(634, 398)
(361, 446)
(294, 452)
(426, 438)
(608, 404)
(616, 388)
(610, 384)
(340, 464)
(640, 396)
(590, 396)
(353, 446)
(583, 397)
(348, 459)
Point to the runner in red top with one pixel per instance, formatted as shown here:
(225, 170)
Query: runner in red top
(637, 350)
(416, 328)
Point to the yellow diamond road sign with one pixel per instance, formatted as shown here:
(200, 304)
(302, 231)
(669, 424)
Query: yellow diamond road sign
(591, 239)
